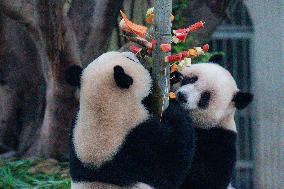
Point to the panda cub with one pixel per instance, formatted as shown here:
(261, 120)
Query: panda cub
(209, 94)
(115, 141)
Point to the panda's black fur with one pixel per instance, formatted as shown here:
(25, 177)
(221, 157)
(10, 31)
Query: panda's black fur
(153, 153)
(214, 159)
(157, 154)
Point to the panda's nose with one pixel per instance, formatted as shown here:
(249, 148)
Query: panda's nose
(181, 97)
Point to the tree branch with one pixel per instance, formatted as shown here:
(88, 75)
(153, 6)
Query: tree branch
(21, 10)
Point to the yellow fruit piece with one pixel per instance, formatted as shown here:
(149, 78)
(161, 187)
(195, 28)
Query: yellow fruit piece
(187, 62)
(192, 53)
(172, 95)
(199, 51)
(150, 16)
(174, 68)
(172, 17)
(150, 11)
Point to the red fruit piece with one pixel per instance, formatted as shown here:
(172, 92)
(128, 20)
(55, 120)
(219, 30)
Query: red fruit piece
(184, 54)
(165, 48)
(178, 31)
(181, 36)
(174, 58)
(205, 48)
(149, 50)
(196, 26)
(135, 49)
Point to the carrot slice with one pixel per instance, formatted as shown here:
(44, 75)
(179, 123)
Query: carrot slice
(139, 30)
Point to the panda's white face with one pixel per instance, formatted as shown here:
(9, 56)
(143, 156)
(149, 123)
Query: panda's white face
(206, 92)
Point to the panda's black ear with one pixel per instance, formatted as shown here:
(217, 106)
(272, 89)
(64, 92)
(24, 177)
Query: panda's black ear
(122, 80)
(73, 75)
(217, 58)
(242, 99)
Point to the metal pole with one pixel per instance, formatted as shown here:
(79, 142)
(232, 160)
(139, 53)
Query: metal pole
(161, 70)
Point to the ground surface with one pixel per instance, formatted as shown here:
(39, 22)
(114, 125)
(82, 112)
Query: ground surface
(33, 173)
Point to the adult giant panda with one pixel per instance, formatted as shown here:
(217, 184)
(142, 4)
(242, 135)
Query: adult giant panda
(210, 95)
(115, 142)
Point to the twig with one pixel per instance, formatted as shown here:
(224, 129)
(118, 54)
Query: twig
(138, 40)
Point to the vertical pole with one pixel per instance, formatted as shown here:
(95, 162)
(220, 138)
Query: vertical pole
(161, 70)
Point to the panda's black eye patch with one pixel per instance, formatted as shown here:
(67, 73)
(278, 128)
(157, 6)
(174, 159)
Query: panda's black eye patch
(204, 100)
(175, 77)
(189, 80)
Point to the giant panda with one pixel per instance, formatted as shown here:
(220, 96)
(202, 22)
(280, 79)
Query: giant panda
(209, 94)
(116, 143)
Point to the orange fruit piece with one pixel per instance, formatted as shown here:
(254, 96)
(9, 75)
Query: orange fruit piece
(172, 95)
(192, 53)
(174, 68)
(139, 30)
(150, 19)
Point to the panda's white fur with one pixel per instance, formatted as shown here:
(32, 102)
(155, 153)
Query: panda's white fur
(93, 142)
(222, 87)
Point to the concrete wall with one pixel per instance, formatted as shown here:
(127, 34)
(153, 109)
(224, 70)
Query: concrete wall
(267, 70)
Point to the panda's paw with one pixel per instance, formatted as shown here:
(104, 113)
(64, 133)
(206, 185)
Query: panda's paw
(175, 114)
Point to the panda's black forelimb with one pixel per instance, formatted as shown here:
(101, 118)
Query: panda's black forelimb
(214, 159)
(155, 153)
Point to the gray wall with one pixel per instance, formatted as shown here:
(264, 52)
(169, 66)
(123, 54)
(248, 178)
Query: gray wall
(267, 70)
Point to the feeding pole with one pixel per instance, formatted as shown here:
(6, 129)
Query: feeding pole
(161, 69)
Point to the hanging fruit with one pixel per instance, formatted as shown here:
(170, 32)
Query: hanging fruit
(150, 16)
(172, 96)
(165, 48)
(128, 26)
(135, 49)
(174, 68)
(179, 61)
(205, 48)
(196, 26)
(184, 63)
(173, 58)
(192, 53)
